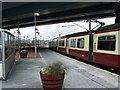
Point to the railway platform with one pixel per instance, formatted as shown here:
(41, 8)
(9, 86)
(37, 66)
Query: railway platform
(25, 73)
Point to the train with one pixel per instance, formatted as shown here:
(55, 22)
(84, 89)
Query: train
(101, 46)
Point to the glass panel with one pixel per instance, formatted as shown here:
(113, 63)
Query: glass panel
(6, 38)
(0, 54)
(0, 48)
(102, 38)
(62, 42)
(110, 37)
(6, 45)
(107, 44)
(73, 43)
(0, 38)
(80, 43)
(9, 45)
(12, 44)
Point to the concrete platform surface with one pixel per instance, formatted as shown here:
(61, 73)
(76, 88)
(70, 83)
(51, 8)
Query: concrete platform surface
(25, 73)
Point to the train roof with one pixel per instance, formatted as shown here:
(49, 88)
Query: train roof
(56, 38)
(105, 28)
(75, 34)
(109, 27)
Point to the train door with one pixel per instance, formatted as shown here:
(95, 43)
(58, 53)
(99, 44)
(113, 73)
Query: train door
(67, 46)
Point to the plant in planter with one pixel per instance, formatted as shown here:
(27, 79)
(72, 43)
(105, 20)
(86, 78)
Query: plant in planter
(52, 76)
(23, 53)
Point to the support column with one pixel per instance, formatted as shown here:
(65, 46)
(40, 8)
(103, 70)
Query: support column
(35, 36)
(90, 43)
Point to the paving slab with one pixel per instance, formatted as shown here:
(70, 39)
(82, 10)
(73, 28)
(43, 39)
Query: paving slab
(25, 73)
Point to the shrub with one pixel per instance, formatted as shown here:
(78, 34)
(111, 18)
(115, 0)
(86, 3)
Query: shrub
(54, 69)
(24, 50)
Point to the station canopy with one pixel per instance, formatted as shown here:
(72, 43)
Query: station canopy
(21, 14)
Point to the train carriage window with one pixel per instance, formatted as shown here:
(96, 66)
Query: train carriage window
(73, 43)
(107, 43)
(102, 38)
(80, 43)
(62, 42)
(110, 37)
(54, 43)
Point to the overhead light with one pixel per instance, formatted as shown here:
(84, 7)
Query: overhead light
(37, 14)
(36, 28)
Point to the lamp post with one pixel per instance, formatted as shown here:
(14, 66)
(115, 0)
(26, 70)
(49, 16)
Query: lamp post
(15, 40)
(24, 42)
(33, 42)
(19, 41)
(35, 14)
(38, 38)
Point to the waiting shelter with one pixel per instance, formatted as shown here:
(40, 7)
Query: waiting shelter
(7, 53)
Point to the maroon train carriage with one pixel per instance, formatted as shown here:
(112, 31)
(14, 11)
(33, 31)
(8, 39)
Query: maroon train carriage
(106, 46)
(50, 44)
(77, 45)
(62, 45)
(53, 44)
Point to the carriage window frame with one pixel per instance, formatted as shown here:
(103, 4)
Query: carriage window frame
(67, 43)
(54, 42)
(107, 42)
(73, 43)
(62, 43)
(59, 42)
(81, 42)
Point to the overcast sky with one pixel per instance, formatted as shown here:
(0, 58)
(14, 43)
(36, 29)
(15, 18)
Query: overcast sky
(51, 31)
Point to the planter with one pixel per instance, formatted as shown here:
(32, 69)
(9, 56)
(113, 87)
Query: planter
(52, 83)
(23, 54)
